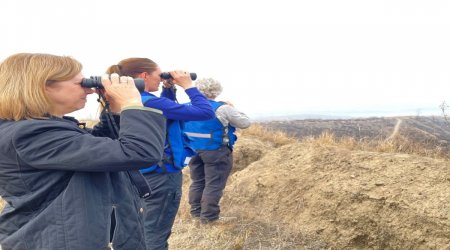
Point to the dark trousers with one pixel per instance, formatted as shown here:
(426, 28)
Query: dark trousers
(161, 207)
(209, 173)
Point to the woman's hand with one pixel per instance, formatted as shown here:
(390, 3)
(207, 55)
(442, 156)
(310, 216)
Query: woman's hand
(168, 83)
(182, 78)
(121, 92)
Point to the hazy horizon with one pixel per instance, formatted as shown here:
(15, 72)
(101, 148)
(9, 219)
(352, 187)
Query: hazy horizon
(382, 111)
(321, 57)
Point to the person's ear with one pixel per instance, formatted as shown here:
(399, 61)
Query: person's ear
(142, 75)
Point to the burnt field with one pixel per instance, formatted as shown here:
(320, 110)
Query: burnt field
(430, 133)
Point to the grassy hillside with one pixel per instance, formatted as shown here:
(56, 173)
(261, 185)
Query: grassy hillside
(326, 192)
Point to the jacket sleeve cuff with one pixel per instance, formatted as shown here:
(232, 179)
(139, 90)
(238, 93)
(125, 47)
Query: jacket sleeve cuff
(144, 108)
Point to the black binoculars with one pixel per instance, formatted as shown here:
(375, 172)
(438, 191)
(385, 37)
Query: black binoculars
(167, 76)
(96, 82)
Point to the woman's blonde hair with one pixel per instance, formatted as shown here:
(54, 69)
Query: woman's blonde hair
(23, 78)
(210, 87)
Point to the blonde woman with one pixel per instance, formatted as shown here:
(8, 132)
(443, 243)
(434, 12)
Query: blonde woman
(63, 183)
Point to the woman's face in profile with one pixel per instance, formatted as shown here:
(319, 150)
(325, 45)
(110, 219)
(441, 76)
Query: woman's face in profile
(153, 80)
(67, 96)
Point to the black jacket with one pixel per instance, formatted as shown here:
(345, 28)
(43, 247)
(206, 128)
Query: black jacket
(62, 182)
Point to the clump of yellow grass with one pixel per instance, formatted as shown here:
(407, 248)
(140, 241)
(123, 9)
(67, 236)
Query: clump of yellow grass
(397, 144)
(276, 137)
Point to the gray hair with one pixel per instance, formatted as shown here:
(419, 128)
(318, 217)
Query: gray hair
(209, 87)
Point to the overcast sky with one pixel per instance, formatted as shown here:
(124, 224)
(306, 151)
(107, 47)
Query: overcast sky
(272, 57)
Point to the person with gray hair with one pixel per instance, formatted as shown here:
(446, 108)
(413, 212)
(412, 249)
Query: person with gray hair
(210, 87)
(213, 142)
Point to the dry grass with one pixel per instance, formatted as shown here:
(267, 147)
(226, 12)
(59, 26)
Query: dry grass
(398, 144)
(275, 137)
(238, 232)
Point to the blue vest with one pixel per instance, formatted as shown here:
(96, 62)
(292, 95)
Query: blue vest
(210, 134)
(176, 152)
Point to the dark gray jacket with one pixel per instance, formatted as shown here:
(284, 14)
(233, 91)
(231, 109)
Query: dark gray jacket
(62, 183)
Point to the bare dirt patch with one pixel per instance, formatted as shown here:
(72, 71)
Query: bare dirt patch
(349, 199)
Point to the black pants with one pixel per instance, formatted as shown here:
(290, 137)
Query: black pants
(209, 173)
(161, 207)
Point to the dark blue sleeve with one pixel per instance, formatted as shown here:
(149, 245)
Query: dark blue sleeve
(169, 93)
(64, 146)
(199, 109)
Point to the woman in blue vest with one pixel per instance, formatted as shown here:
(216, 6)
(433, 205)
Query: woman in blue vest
(165, 178)
(213, 141)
